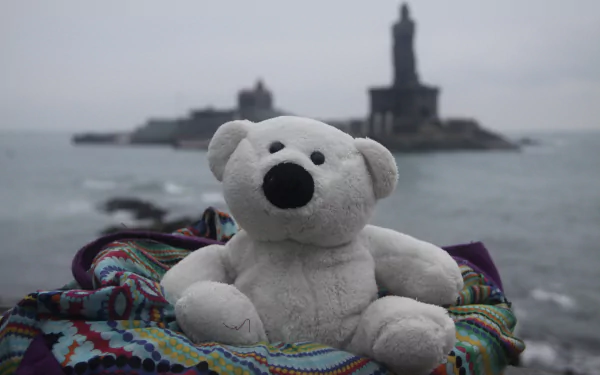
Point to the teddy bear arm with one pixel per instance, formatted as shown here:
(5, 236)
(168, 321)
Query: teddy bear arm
(408, 267)
(209, 263)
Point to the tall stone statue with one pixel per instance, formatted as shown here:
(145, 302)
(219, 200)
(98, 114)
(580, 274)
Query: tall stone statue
(405, 73)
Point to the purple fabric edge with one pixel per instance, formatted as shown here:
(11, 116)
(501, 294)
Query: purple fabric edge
(39, 360)
(479, 258)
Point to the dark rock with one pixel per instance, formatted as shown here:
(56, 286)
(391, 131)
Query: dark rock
(527, 141)
(163, 227)
(141, 210)
(100, 138)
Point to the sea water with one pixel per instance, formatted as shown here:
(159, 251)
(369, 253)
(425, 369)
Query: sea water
(538, 212)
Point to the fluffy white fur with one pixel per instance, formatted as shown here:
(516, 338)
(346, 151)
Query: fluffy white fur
(311, 273)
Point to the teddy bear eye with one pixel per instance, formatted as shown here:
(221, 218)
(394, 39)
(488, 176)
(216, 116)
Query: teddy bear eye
(317, 157)
(275, 147)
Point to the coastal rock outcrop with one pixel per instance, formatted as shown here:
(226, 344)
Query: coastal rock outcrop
(151, 216)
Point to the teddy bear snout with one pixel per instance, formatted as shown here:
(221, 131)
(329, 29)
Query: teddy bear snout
(288, 185)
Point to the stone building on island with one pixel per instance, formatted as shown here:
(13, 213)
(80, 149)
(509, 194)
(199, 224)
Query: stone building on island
(403, 116)
(195, 130)
(407, 103)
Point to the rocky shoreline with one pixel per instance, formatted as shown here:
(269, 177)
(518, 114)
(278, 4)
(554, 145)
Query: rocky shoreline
(150, 216)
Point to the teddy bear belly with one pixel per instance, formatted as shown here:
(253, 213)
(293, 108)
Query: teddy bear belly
(310, 303)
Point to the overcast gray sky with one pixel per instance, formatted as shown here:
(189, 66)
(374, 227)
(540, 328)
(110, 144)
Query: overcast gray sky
(512, 64)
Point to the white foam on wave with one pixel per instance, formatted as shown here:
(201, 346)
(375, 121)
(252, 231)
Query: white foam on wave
(540, 354)
(99, 184)
(123, 217)
(172, 188)
(561, 300)
(168, 187)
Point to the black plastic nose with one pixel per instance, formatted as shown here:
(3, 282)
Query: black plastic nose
(288, 185)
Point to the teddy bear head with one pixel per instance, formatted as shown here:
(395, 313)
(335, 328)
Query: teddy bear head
(294, 178)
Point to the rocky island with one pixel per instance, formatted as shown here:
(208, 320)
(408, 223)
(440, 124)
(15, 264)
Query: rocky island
(403, 116)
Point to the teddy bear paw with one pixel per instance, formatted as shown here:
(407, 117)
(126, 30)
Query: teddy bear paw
(416, 340)
(211, 311)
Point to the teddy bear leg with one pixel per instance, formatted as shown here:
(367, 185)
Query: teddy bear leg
(407, 336)
(212, 311)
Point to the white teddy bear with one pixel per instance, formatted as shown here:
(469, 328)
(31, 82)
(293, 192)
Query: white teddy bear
(306, 265)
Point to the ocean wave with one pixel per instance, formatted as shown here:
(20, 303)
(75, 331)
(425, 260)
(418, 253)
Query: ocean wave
(124, 218)
(169, 188)
(99, 184)
(561, 300)
(539, 150)
(213, 198)
(75, 207)
(174, 189)
(165, 187)
(540, 354)
(519, 312)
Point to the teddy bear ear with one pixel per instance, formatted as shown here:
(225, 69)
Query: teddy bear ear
(381, 165)
(223, 143)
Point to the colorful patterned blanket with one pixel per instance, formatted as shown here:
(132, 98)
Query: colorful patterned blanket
(114, 319)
